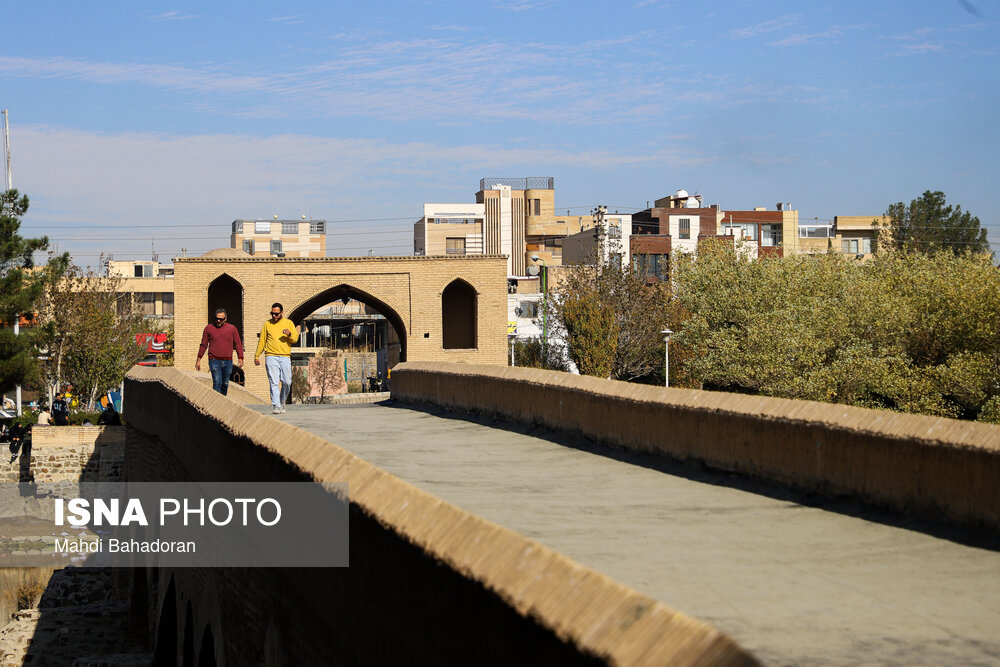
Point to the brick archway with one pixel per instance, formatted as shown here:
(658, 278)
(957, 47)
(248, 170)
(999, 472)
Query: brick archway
(407, 291)
(300, 311)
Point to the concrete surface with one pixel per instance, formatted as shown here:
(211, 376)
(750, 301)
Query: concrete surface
(794, 583)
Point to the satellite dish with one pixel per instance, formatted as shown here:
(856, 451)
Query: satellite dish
(533, 270)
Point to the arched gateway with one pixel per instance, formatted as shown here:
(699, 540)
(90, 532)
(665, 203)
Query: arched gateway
(412, 294)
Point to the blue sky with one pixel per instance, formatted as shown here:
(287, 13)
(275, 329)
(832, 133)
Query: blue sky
(134, 124)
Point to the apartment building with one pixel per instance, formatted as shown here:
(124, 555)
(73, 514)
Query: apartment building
(854, 235)
(152, 284)
(680, 222)
(606, 240)
(280, 238)
(676, 222)
(450, 229)
(515, 217)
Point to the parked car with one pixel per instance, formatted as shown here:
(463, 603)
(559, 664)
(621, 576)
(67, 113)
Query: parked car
(149, 360)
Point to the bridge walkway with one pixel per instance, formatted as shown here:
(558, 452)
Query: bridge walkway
(795, 580)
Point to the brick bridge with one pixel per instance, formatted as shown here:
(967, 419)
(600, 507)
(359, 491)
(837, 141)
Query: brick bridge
(506, 515)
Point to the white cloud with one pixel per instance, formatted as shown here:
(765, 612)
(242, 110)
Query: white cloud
(525, 5)
(444, 80)
(653, 3)
(922, 47)
(786, 22)
(127, 179)
(800, 39)
(172, 16)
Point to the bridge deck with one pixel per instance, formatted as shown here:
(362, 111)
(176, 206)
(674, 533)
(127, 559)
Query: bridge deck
(794, 583)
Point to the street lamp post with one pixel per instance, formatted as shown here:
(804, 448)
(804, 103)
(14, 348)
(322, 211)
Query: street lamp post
(666, 356)
(545, 305)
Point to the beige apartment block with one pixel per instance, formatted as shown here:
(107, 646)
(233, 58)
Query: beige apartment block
(855, 234)
(280, 238)
(451, 308)
(450, 229)
(515, 217)
(150, 282)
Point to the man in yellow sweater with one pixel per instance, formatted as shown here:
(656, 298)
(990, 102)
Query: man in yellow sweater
(276, 340)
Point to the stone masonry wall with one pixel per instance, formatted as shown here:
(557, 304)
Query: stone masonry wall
(70, 453)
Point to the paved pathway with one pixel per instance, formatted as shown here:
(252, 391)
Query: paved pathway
(795, 584)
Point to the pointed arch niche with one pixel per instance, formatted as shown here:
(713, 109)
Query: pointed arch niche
(458, 315)
(226, 292)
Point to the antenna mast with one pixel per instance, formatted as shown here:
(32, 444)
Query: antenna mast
(6, 150)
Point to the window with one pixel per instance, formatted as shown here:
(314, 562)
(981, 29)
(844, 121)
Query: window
(143, 271)
(528, 309)
(536, 206)
(248, 246)
(455, 246)
(237, 226)
(262, 227)
(168, 303)
(815, 232)
(770, 235)
(651, 266)
(290, 228)
(317, 226)
(856, 246)
(147, 303)
(275, 246)
(746, 230)
(685, 228)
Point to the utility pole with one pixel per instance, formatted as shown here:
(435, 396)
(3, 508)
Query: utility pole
(600, 233)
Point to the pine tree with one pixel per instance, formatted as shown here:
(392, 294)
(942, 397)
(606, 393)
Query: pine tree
(928, 225)
(21, 287)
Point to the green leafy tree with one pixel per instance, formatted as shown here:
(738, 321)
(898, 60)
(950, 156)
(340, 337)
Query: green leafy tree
(21, 286)
(611, 321)
(534, 354)
(928, 225)
(92, 324)
(913, 332)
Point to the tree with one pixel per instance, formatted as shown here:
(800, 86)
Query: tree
(912, 332)
(612, 321)
(92, 325)
(928, 225)
(300, 385)
(21, 286)
(326, 374)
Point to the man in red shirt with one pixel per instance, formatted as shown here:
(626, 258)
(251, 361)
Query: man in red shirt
(220, 339)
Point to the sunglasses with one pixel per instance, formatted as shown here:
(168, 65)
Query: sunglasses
(274, 314)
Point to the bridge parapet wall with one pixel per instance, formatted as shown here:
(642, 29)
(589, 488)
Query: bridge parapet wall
(427, 582)
(941, 468)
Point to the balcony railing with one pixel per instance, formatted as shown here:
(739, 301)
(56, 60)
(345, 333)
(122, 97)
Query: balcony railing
(529, 183)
